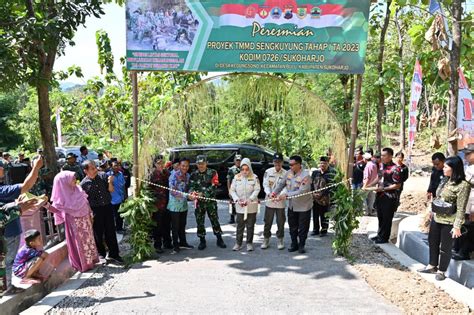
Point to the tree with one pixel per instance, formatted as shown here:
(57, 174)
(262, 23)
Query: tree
(400, 32)
(455, 53)
(35, 33)
(380, 70)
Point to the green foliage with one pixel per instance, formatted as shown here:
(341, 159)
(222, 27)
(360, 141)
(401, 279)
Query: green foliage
(345, 212)
(10, 104)
(35, 32)
(138, 212)
(106, 58)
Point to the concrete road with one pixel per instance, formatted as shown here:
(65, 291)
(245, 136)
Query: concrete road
(264, 281)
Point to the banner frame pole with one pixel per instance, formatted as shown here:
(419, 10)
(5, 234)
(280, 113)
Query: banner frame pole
(355, 120)
(135, 169)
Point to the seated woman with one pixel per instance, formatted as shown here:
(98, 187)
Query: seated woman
(244, 191)
(29, 258)
(70, 206)
(446, 224)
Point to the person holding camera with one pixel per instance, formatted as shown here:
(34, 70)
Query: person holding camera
(447, 216)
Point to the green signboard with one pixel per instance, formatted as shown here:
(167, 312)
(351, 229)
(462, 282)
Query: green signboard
(247, 35)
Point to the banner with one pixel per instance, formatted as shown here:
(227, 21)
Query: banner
(465, 119)
(247, 35)
(416, 88)
(59, 127)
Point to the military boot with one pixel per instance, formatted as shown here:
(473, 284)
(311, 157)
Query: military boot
(202, 243)
(220, 241)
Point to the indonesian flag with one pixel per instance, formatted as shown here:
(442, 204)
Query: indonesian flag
(282, 12)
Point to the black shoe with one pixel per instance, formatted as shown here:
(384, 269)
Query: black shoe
(301, 250)
(175, 250)
(159, 250)
(323, 234)
(116, 260)
(315, 233)
(202, 243)
(168, 246)
(186, 246)
(373, 238)
(380, 241)
(232, 219)
(428, 270)
(293, 248)
(459, 256)
(220, 242)
(440, 276)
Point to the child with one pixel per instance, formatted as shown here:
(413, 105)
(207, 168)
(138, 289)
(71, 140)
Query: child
(29, 258)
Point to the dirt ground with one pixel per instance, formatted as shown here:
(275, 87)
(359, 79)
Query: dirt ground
(405, 289)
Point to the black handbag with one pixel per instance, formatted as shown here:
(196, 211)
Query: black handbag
(439, 206)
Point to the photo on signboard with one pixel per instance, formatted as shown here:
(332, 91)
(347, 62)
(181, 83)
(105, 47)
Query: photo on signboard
(160, 25)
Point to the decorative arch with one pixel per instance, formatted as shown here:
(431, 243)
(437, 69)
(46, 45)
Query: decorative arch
(196, 109)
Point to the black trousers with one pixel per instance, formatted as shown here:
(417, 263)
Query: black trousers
(162, 229)
(178, 227)
(464, 245)
(117, 217)
(386, 208)
(320, 222)
(299, 227)
(104, 226)
(441, 243)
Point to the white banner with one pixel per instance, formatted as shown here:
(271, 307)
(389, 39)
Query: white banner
(59, 128)
(416, 88)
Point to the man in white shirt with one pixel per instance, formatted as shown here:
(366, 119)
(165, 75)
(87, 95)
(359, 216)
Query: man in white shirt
(273, 176)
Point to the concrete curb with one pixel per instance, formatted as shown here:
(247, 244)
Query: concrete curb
(457, 291)
(63, 291)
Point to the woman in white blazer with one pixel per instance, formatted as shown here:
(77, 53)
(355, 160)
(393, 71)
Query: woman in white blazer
(244, 191)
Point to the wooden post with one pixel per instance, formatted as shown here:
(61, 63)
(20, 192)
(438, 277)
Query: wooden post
(355, 119)
(135, 132)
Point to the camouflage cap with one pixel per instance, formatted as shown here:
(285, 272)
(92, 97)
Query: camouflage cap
(201, 159)
(238, 157)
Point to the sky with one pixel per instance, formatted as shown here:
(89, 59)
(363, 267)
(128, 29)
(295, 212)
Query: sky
(84, 53)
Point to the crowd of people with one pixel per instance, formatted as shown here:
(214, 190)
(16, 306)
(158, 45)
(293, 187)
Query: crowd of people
(162, 25)
(83, 198)
(173, 187)
(86, 198)
(450, 193)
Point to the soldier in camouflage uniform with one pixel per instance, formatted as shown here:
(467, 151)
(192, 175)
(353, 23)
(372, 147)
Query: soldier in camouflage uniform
(234, 170)
(203, 182)
(44, 185)
(73, 166)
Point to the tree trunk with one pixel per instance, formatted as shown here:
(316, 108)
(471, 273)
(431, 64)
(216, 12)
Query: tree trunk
(402, 83)
(187, 125)
(46, 129)
(381, 95)
(347, 82)
(45, 125)
(456, 9)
